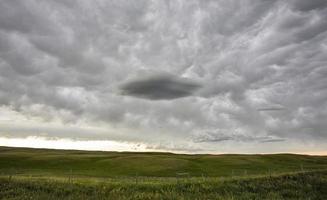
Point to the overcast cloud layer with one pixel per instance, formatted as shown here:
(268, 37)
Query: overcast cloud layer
(209, 76)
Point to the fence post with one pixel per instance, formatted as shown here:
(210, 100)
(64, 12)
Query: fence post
(70, 176)
(11, 172)
(136, 181)
(269, 172)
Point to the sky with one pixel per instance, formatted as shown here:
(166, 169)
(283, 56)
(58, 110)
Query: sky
(185, 76)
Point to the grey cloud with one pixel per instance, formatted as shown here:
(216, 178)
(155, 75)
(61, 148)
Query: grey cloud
(186, 147)
(304, 5)
(271, 109)
(23, 17)
(63, 62)
(159, 86)
(269, 139)
(221, 137)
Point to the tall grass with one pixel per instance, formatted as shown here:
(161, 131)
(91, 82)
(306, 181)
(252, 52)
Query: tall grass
(308, 185)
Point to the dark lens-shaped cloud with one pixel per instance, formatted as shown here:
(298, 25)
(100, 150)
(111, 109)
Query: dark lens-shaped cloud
(157, 87)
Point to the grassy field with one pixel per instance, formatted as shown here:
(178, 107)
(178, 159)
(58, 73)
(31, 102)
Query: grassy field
(307, 185)
(64, 174)
(115, 164)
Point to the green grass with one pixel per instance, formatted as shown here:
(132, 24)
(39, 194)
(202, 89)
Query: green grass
(309, 185)
(114, 164)
(68, 174)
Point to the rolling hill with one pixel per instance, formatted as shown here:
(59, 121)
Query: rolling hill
(50, 162)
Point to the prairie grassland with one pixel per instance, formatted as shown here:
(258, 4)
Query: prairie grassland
(306, 185)
(63, 163)
(62, 174)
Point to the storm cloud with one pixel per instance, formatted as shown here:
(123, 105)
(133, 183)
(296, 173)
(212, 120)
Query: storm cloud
(159, 86)
(212, 76)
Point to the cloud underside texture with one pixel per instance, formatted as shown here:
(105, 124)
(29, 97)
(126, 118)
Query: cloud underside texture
(165, 73)
(158, 87)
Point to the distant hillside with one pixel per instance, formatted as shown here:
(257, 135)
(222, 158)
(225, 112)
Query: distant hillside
(113, 164)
